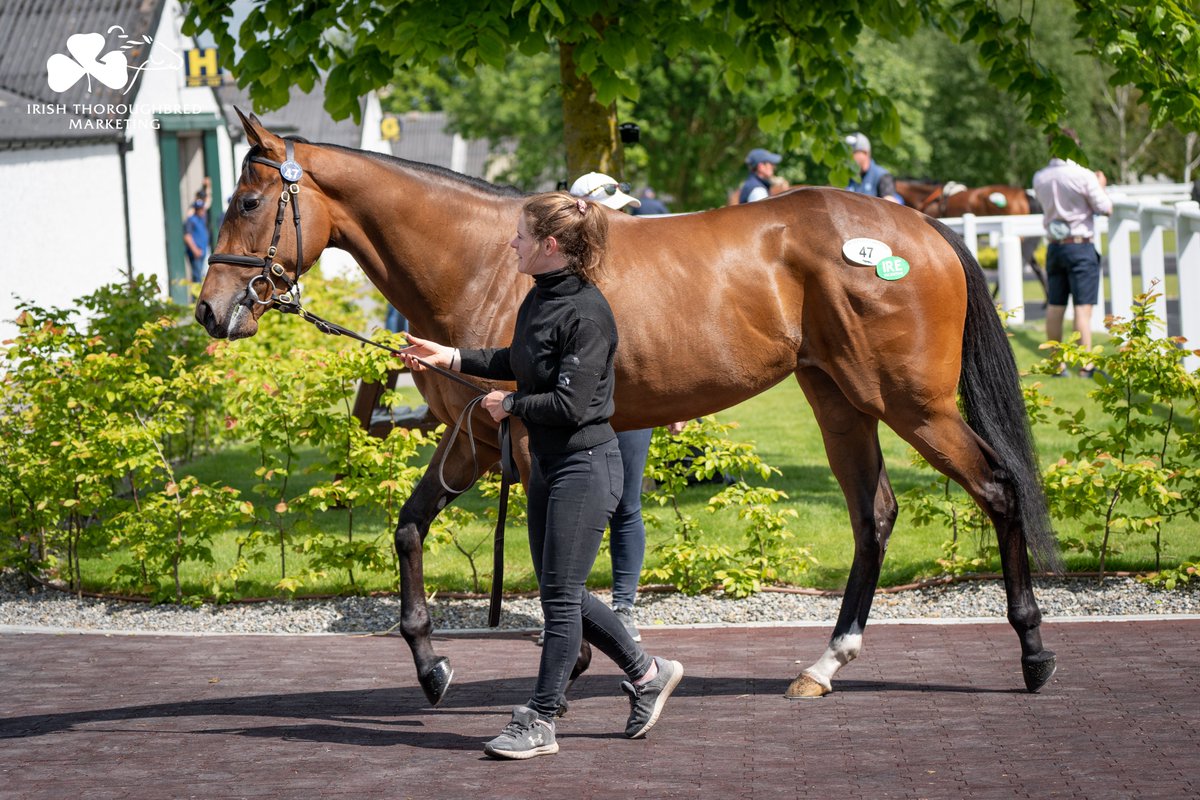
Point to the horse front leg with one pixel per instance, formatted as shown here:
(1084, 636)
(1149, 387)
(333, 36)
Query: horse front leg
(852, 445)
(427, 500)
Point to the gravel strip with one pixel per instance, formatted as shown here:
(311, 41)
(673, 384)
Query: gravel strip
(1057, 598)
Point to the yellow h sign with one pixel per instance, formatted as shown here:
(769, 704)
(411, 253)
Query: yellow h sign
(202, 69)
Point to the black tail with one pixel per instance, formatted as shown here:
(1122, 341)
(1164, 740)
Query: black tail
(990, 388)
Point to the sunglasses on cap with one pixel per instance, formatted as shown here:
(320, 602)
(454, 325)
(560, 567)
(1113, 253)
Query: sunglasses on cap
(611, 188)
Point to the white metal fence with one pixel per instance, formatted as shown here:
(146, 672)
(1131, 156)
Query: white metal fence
(1148, 210)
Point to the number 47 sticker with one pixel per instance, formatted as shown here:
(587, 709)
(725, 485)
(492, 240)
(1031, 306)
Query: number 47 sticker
(865, 252)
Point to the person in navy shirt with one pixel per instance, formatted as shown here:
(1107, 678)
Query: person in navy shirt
(757, 185)
(650, 204)
(195, 234)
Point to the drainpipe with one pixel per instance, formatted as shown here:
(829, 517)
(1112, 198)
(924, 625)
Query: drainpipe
(123, 147)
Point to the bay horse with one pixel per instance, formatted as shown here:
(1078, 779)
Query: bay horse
(712, 308)
(953, 199)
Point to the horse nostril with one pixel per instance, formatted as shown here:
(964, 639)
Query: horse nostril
(206, 317)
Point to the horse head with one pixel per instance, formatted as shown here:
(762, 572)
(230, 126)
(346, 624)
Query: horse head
(275, 227)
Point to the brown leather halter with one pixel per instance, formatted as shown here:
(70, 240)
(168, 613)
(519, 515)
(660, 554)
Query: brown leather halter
(289, 300)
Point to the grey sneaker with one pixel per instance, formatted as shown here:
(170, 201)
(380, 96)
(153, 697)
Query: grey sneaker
(646, 702)
(625, 614)
(526, 736)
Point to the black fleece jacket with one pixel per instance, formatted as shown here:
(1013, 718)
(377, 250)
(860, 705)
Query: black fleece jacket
(562, 360)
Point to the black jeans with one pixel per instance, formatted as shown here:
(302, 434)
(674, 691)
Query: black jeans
(571, 497)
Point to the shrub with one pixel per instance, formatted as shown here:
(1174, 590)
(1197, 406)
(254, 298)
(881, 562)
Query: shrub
(703, 452)
(93, 424)
(1137, 463)
(84, 441)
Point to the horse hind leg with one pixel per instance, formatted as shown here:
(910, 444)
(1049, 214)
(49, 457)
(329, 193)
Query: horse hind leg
(852, 446)
(949, 444)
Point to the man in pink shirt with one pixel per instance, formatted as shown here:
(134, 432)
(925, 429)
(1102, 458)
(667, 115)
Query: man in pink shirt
(1071, 196)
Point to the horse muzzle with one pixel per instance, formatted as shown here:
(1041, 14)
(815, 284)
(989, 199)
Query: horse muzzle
(238, 322)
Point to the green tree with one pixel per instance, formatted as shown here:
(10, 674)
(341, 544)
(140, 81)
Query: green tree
(1151, 45)
(696, 131)
(977, 136)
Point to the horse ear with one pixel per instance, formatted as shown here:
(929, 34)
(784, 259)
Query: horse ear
(256, 134)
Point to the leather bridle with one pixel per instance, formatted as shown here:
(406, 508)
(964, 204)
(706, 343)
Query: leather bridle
(287, 301)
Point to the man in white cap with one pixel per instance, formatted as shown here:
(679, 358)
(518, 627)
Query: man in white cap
(872, 178)
(757, 185)
(606, 191)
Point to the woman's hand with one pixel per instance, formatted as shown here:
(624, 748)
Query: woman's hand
(493, 404)
(439, 355)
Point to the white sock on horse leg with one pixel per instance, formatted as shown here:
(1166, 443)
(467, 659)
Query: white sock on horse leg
(841, 651)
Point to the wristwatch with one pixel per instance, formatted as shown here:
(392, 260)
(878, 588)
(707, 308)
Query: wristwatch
(507, 402)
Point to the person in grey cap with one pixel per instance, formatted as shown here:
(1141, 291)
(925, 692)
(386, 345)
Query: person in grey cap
(872, 178)
(757, 185)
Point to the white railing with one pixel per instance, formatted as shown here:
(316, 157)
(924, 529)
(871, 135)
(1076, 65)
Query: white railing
(1149, 219)
(1160, 193)
(1187, 247)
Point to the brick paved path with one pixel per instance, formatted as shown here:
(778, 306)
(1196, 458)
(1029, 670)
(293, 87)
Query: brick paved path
(927, 711)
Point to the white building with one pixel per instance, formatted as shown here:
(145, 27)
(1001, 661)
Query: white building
(102, 146)
(92, 172)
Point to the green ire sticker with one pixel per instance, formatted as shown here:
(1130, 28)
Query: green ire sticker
(892, 268)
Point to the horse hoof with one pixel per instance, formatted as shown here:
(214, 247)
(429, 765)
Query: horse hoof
(436, 681)
(805, 688)
(1038, 669)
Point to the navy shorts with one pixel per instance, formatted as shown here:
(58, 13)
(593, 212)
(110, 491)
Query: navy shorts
(1072, 271)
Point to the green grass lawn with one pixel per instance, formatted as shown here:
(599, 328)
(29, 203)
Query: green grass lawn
(779, 422)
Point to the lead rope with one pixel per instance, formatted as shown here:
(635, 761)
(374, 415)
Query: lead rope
(508, 466)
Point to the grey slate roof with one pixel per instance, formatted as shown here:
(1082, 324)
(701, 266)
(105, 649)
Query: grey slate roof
(31, 31)
(423, 137)
(303, 115)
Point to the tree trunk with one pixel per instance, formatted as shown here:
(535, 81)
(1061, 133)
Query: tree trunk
(589, 128)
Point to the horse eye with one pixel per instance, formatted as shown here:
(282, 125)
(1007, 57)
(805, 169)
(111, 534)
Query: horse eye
(248, 204)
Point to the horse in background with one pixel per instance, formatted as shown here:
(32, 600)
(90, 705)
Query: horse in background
(953, 199)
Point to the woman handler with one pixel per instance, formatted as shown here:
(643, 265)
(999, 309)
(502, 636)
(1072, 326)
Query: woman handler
(562, 361)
